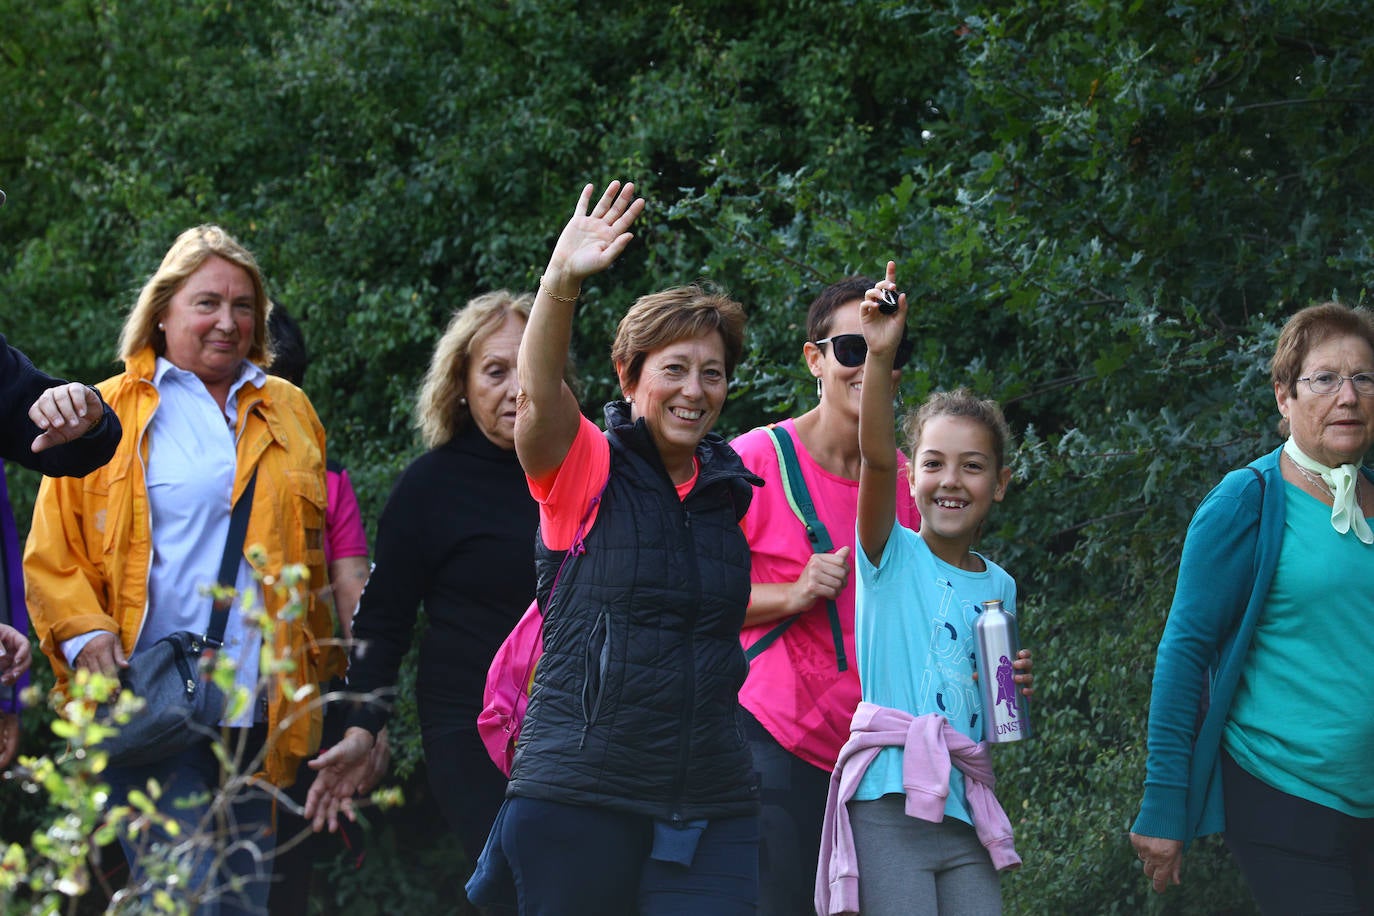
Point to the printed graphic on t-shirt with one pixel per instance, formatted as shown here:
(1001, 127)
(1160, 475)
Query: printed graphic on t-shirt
(945, 684)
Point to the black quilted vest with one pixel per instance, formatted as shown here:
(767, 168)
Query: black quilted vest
(635, 704)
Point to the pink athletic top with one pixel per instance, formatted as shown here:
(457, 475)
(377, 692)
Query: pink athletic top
(794, 688)
(343, 522)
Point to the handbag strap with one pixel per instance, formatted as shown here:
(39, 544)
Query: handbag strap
(799, 498)
(229, 564)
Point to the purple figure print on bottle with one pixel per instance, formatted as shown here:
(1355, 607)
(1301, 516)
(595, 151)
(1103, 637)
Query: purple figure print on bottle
(1006, 686)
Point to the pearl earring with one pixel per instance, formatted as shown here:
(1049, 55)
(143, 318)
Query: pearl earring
(463, 401)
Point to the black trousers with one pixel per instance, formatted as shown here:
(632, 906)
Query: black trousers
(1298, 857)
(793, 794)
(468, 787)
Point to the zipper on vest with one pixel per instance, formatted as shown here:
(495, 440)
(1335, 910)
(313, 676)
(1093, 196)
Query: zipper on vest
(689, 678)
(600, 667)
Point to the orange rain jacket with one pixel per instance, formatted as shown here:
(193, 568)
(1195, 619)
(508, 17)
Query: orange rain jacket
(87, 559)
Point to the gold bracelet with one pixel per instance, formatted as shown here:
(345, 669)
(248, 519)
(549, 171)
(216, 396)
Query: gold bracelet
(554, 296)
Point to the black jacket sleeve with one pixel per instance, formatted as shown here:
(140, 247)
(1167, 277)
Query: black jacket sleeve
(20, 385)
(384, 625)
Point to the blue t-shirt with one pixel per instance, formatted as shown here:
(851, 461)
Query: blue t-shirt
(913, 623)
(1297, 722)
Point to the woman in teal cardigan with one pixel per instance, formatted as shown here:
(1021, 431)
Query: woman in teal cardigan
(1281, 762)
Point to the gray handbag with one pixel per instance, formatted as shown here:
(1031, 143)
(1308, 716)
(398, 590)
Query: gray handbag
(182, 705)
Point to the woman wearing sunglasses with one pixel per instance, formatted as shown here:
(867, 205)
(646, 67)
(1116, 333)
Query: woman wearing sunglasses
(801, 691)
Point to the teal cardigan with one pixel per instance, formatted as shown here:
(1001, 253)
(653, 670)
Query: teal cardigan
(1224, 574)
(1228, 562)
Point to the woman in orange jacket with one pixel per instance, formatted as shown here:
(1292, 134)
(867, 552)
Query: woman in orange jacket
(121, 558)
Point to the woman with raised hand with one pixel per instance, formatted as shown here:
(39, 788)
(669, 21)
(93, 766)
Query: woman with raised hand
(632, 789)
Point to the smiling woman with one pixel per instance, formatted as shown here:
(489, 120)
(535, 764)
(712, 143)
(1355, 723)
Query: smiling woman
(209, 292)
(120, 559)
(674, 353)
(208, 325)
(631, 789)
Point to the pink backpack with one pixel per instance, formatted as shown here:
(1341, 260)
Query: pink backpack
(511, 675)
(507, 693)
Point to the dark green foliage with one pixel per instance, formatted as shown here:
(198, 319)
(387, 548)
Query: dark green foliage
(1102, 212)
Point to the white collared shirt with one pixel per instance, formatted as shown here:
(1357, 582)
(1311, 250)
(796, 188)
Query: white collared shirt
(192, 453)
(192, 448)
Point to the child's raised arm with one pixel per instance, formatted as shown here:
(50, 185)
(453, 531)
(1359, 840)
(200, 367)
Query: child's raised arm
(877, 441)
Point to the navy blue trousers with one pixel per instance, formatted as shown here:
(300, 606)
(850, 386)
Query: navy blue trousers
(575, 860)
(225, 846)
(1296, 855)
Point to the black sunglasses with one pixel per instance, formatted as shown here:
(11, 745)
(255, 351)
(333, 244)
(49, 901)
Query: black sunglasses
(852, 349)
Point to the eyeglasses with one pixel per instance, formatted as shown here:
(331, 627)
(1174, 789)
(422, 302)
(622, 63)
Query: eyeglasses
(1331, 382)
(851, 350)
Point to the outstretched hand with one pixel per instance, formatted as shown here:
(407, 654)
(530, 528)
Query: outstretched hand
(593, 239)
(883, 332)
(341, 772)
(15, 654)
(65, 412)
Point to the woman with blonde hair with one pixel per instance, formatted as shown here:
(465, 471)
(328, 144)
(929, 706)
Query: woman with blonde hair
(457, 534)
(121, 558)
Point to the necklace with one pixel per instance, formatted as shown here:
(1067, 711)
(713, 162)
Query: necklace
(1320, 483)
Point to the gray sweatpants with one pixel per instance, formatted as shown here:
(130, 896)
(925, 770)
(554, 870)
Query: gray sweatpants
(911, 867)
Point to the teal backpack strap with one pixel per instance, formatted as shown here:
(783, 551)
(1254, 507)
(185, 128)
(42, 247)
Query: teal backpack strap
(797, 494)
(799, 498)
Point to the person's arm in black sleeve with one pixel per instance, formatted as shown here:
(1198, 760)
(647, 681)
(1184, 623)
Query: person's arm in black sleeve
(384, 626)
(383, 630)
(57, 428)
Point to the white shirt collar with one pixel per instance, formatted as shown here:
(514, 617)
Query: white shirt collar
(249, 374)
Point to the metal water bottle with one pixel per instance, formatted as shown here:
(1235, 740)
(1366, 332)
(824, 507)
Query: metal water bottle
(1005, 716)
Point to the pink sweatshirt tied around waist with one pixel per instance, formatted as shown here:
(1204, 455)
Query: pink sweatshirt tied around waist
(931, 745)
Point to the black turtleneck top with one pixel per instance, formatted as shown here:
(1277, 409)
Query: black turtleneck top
(457, 534)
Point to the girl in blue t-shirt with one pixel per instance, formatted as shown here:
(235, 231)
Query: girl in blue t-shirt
(918, 597)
